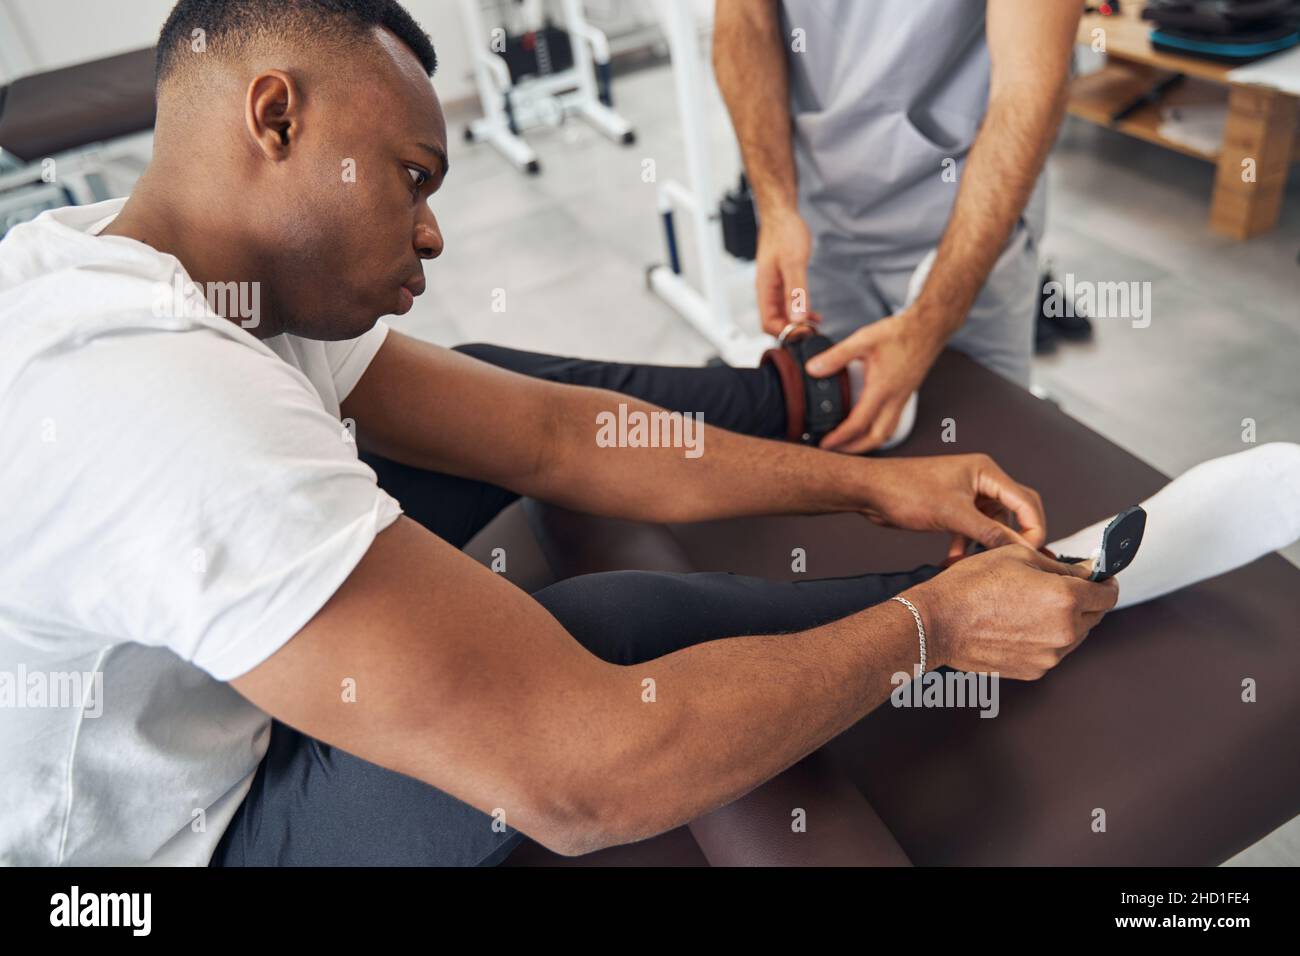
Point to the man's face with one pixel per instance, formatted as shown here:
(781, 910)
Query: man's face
(354, 200)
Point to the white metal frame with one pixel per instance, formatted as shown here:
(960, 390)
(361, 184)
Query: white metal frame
(76, 170)
(539, 100)
(722, 278)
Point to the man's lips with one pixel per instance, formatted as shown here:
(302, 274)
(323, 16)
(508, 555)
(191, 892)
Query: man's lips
(404, 301)
(407, 293)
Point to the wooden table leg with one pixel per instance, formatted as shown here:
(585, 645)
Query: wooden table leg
(1261, 127)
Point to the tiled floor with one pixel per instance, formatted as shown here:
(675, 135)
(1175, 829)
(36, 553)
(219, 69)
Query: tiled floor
(569, 249)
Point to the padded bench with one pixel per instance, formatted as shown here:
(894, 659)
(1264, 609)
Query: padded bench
(49, 113)
(1145, 721)
(83, 118)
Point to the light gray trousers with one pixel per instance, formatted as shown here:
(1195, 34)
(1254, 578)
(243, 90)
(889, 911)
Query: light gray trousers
(850, 291)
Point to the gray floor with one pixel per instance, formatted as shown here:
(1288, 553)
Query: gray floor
(570, 248)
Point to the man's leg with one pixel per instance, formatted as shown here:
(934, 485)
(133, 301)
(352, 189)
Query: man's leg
(746, 400)
(1216, 516)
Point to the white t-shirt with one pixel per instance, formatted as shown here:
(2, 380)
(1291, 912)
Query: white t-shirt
(177, 499)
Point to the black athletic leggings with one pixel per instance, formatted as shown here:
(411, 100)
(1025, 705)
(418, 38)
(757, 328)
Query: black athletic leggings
(311, 804)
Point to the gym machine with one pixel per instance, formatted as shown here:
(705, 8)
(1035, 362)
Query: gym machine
(723, 236)
(532, 72)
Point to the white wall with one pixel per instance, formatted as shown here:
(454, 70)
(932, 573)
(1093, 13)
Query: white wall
(442, 21)
(54, 33)
(47, 34)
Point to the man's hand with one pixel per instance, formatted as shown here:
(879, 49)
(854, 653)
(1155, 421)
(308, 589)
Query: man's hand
(781, 277)
(896, 353)
(968, 495)
(973, 622)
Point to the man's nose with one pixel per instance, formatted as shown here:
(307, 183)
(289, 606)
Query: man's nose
(428, 237)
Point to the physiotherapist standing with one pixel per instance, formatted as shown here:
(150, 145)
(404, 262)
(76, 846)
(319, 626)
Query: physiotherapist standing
(895, 149)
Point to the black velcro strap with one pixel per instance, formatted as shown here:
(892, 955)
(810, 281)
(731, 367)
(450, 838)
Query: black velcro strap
(825, 399)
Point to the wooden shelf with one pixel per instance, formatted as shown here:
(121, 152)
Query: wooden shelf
(1128, 37)
(1261, 125)
(1096, 96)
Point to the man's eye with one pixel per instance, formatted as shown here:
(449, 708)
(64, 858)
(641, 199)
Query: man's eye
(418, 176)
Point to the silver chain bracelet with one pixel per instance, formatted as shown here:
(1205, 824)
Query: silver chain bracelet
(920, 628)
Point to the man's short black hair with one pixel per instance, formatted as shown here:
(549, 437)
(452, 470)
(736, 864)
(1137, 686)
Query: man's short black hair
(228, 24)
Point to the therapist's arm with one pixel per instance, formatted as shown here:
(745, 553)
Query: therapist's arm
(749, 60)
(1030, 43)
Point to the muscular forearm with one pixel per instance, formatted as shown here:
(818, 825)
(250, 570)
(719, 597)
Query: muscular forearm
(731, 476)
(749, 61)
(703, 741)
(1029, 46)
(1000, 174)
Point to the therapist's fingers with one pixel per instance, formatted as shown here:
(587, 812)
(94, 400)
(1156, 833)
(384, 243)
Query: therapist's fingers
(882, 428)
(770, 288)
(857, 345)
(857, 423)
(799, 309)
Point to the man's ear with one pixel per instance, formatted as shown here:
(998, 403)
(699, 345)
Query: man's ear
(271, 113)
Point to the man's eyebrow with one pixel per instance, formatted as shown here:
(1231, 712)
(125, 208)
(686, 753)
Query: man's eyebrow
(441, 155)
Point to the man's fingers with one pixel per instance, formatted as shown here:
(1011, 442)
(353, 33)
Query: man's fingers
(1098, 596)
(957, 545)
(1044, 563)
(1089, 622)
(1024, 502)
(1090, 595)
(992, 534)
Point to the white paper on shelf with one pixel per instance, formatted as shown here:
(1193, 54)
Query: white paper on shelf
(1197, 125)
(1281, 71)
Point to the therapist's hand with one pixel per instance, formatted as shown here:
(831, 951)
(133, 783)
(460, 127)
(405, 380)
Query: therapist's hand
(896, 353)
(968, 496)
(781, 278)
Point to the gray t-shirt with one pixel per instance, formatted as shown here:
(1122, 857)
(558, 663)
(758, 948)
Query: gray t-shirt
(883, 93)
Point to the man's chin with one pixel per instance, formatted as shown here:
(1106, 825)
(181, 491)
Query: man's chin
(335, 328)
